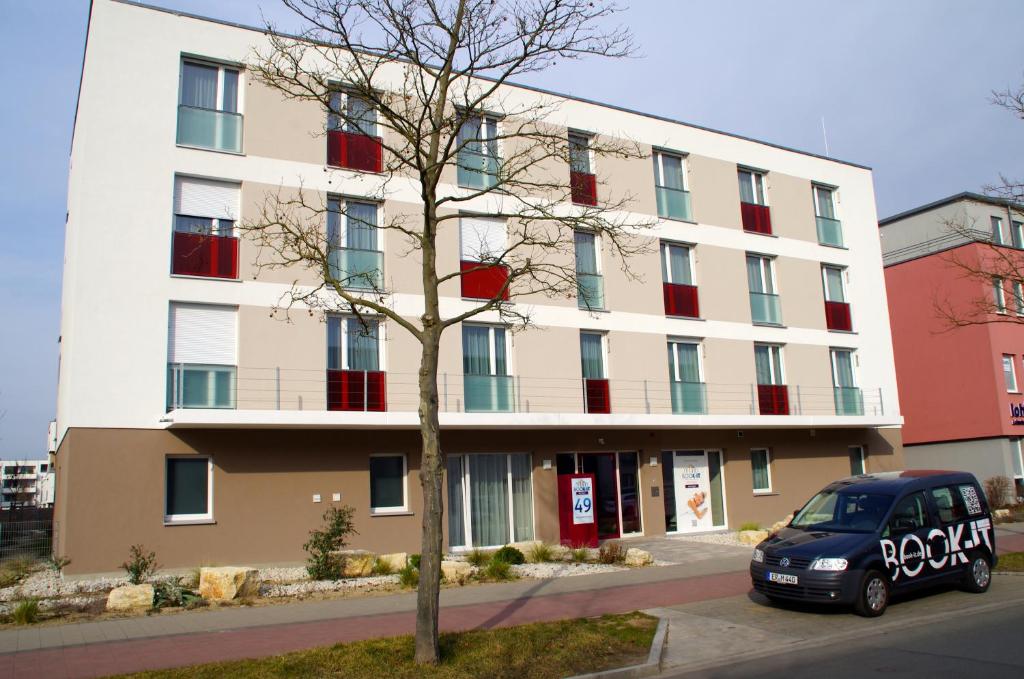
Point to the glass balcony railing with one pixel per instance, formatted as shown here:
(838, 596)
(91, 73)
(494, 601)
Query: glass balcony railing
(477, 170)
(354, 268)
(200, 386)
(489, 393)
(673, 203)
(849, 401)
(765, 308)
(830, 231)
(590, 290)
(209, 129)
(689, 398)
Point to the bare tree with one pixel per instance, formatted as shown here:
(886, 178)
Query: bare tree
(432, 77)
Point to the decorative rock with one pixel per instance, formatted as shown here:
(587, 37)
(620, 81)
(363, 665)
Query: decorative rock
(779, 525)
(456, 571)
(752, 537)
(1001, 514)
(130, 597)
(397, 560)
(227, 583)
(357, 563)
(526, 546)
(638, 557)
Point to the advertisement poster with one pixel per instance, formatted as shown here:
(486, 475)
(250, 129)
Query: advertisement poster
(693, 492)
(582, 501)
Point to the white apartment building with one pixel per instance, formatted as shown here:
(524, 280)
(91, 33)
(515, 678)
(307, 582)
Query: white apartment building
(26, 483)
(754, 356)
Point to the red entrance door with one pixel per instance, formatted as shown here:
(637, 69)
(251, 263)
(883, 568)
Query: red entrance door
(606, 492)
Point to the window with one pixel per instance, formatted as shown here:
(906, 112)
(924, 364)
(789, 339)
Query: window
(582, 182)
(997, 230)
(999, 296)
(679, 290)
(686, 383)
(387, 484)
(352, 137)
(589, 281)
(208, 107)
(848, 399)
(490, 499)
(595, 376)
(837, 310)
(824, 203)
(485, 364)
(579, 154)
(768, 362)
(832, 277)
(1017, 462)
(949, 505)
(830, 229)
(478, 157)
(670, 186)
(1017, 234)
(204, 241)
(764, 300)
(201, 356)
(353, 114)
(752, 187)
(483, 239)
(353, 343)
(188, 489)
(857, 461)
(760, 464)
(909, 515)
(355, 258)
(1018, 298)
(1009, 373)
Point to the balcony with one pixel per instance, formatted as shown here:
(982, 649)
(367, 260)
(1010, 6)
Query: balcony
(200, 386)
(596, 396)
(583, 186)
(484, 281)
(849, 401)
(357, 390)
(477, 170)
(354, 151)
(765, 308)
(681, 300)
(673, 203)
(756, 218)
(361, 269)
(773, 399)
(209, 129)
(830, 231)
(590, 291)
(837, 316)
(689, 398)
(489, 393)
(209, 256)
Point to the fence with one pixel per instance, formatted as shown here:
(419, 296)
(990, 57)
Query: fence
(31, 539)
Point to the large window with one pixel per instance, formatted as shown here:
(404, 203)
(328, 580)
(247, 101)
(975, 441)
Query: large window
(760, 464)
(752, 187)
(490, 499)
(848, 398)
(204, 228)
(352, 137)
(188, 489)
(772, 393)
(388, 486)
(356, 260)
(678, 286)
(830, 229)
(582, 182)
(478, 157)
(1009, 373)
(1017, 234)
(998, 296)
(353, 114)
(589, 281)
(997, 230)
(837, 310)
(485, 364)
(670, 186)
(764, 299)
(483, 242)
(208, 107)
(686, 384)
(353, 343)
(597, 398)
(201, 356)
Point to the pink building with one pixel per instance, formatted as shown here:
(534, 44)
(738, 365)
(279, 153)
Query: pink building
(960, 387)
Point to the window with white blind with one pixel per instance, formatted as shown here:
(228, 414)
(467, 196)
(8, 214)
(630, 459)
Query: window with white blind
(482, 239)
(205, 206)
(202, 356)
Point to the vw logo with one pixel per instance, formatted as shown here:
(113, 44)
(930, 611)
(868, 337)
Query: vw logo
(784, 562)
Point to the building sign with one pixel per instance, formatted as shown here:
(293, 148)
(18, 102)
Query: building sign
(1017, 413)
(582, 500)
(693, 492)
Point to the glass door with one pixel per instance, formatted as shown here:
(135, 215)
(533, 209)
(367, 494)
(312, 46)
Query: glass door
(694, 496)
(606, 491)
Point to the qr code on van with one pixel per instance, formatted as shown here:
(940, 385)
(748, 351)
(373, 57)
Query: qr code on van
(970, 496)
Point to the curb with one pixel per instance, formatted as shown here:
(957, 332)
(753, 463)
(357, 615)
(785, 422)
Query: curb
(647, 669)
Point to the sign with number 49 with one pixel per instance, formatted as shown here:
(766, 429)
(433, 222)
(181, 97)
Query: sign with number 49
(582, 501)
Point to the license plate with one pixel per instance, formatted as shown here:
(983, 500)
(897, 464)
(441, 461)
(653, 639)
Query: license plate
(782, 578)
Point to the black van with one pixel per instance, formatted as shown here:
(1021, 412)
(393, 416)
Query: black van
(865, 537)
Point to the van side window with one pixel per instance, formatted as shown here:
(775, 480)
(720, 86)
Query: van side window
(910, 514)
(949, 504)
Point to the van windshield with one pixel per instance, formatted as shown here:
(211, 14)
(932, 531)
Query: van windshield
(843, 511)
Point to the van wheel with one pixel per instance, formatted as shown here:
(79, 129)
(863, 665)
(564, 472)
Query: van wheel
(873, 597)
(979, 574)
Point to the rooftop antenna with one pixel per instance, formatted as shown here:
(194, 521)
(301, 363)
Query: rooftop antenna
(824, 133)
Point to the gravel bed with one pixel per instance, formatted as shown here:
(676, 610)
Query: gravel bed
(278, 575)
(563, 570)
(731, 538)
(369, 584)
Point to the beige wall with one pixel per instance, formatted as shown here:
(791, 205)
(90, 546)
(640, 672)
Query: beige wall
(722, 286)
(275, 127)
(800, 292)
(792, 207)
(714, 190)
(264, 481)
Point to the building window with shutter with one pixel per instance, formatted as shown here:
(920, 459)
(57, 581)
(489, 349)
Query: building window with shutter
(205, 243)
(482, 245)
(201, 356)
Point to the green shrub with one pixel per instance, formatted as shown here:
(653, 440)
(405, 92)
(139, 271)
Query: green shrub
(498, 569)
(168, 593)
(409, 576)
(414, 559)
(579, 554)
(478, 558)
(540, 553)
(611, 553)
(26, 612)
(324, 562)
(191, 581)
(381, 567)
(750, 525)
(14, 571)
(509, 555)
(140, 564)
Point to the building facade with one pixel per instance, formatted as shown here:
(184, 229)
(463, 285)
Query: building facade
(751, 353)
(960, 387)
(27, 483)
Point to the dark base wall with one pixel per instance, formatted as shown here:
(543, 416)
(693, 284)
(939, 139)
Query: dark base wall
(110, 484)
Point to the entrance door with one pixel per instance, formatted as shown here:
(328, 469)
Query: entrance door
(606, 491)
(692, 491)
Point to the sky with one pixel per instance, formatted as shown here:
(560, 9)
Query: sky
(903, 87)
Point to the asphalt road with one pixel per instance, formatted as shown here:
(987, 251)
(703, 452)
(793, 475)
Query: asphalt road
(987, 644)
